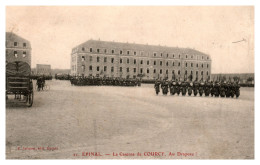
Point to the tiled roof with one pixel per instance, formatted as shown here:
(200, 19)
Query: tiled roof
(138, 47)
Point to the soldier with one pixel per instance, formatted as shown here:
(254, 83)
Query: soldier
(164, 87)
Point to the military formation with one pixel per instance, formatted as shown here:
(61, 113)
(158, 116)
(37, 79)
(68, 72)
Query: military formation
(208, 88)
(104, 81)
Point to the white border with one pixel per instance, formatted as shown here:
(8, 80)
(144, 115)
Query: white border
(119, 3)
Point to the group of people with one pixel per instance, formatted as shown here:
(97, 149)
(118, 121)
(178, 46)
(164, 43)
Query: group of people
(209, 88)
(40, 83)
(104, 81)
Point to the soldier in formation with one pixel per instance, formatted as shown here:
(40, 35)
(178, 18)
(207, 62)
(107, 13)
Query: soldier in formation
(218, 88)
(104, 81)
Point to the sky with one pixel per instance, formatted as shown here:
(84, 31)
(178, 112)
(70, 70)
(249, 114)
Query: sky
(225, 33)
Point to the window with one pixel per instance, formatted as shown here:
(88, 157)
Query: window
(134, 53)
(207, 65)
(97, 59)
(186, 72)
(105, 51)
(141, 62)
(167, 55)
(127, 69)
(161, 54)
(207, 73)
(147, 62)
(191, 72)
(172, 63)
(128, 52)
(160, 71)
(90, 67)
(141, 70)
(105, 68)
(90, 49)
(207, 58)
(202, 57)
(186, 64)
(15, 43)
(112, 60)
(112, 69)
(154, 71)
(201, 72)
(128, 60)
(134, 70)
(97, 68)
(154, 62)
(121, 52)
(105, 59)
(179, 72)
(202, 65)
(166, 71)
(82, 58)
(167, 63)
(186, 56)
(113, 51)
(24, 45)
(161, 63)
(90, 58)
(98, 50)
(179, 64)
(24, 54)
(83, 68)
(121, 60)
(197, 65)
(120, 69)
(83, 49)
(147, 70)
(173, 56)
(15, 54)
(154, 54)
(197, 72)
(134, 61)
(191, 64)
(179, 56)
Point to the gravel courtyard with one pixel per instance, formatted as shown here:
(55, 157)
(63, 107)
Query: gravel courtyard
(67, 122)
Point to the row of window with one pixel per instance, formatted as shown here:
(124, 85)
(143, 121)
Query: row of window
(155, 54)
(142, 62)
(16, 54)
(141, 70)
(16, 44)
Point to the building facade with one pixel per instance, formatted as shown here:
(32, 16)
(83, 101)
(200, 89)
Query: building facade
(114, 59)
(43, 69)
(17, 48)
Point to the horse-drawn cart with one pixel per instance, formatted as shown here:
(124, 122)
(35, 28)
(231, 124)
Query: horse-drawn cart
(19, 83)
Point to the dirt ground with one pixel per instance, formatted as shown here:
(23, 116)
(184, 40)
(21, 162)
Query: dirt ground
(67, 122)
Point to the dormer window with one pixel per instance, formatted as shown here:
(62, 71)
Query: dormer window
(121, 52)
(98, 50)
(24, 45)
(154, 54)
(15, 43)
(90, 49)
(134, 53)
(83, 49)
(113, 51)
(128, 52)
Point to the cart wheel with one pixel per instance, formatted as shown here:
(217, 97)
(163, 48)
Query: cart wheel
(30, 99)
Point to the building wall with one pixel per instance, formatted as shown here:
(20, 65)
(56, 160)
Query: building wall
(43, 69)
(17, 48)
(134, 63)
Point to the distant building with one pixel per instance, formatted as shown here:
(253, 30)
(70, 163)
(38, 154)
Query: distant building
(244, 77)
(17, 48)
(114, 59)
(43, 69)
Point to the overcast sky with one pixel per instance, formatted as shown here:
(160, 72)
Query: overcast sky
(54, 31)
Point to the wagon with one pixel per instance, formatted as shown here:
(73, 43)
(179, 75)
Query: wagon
(19, 83)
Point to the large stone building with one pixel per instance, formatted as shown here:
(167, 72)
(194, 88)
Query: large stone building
(43, 69)
(114, 59)
(17, 48)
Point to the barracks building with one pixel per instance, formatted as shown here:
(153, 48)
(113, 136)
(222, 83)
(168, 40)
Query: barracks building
(17, 48)
(129, 60)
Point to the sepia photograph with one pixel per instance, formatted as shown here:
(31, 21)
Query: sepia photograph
(129, 82)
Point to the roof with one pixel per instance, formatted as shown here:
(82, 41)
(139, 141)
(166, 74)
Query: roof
(138, 47)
